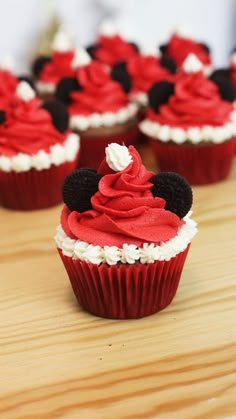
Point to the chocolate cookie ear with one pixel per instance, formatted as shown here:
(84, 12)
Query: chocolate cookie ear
(2, 116)
(225, 87)
(79, 187)
(120, 74)
(39, 63)
(163, 48)
(59, 114)
(168, 63)
(65, 87)
(175, 190)
(160, 93)
(91, 50)
(28, 79)
(135, 46)
(220, 72)
(205, 47)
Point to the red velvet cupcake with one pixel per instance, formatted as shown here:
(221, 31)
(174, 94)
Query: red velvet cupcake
(111, 47)
(124, 235)
(140, 72)
(48, 70)
(99, 109)
(36, 151)
(191, 125)
(181, 44)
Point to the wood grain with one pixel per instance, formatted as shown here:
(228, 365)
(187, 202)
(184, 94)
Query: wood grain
(56, 361)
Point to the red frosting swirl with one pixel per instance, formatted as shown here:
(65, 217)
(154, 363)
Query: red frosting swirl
(28, 128)
(112, 49)
(196, 102)
(179, 48)
(144, 71)
(8, 83)
(124, 210)
(58, 67)
(99, 94)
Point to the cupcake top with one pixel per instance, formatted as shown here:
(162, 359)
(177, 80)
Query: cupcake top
(181, 44)
(141, 72)
(92, 97)
(111, 47)
(193, 108)
(48, 70)
(34, 134)
(123, 212)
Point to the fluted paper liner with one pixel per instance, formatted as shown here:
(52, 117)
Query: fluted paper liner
(124, 291)
(199, 164)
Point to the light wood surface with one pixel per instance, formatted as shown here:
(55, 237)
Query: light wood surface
(57, 361)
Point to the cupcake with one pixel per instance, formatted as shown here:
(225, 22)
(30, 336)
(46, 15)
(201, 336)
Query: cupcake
(140, 72)
(191, 125)
(111, 47)
(48, 70)
(37, 151)
(181, 44)
(99, 109)
(124, 235)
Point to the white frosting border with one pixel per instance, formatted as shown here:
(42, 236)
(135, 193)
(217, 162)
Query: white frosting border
(129, 253)
(106, 119)
(59, 153)
(43, 87)
(194, 135)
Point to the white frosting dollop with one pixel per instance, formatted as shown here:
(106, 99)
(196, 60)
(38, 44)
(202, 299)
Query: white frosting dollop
(117, 156)
(58, 154)
(192, 64)
(150, 49)
(7, 63)
(128, 253)
(107, 28)
(81, 58)
(61, 42)
(25, 91)
(182, 31)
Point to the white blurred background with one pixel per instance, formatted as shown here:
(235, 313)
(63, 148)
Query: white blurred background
(22, 23)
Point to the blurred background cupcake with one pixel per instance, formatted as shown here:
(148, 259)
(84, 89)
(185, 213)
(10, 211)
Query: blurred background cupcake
(138, 74)
(37, 151)
(191, 125)
(181, 44)
(100, 110)
(49, 69)
(111, 47)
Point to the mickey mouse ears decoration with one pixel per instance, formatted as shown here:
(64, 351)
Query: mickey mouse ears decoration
(81, 184)
(120, 74)
(159, 94)
(59, 114)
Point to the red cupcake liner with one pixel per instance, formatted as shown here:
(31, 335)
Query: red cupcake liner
(34, 189)
(199, 164)
(93, 148)
(125, 291)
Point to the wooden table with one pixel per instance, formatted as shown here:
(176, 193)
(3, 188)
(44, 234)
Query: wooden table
(57, 361)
